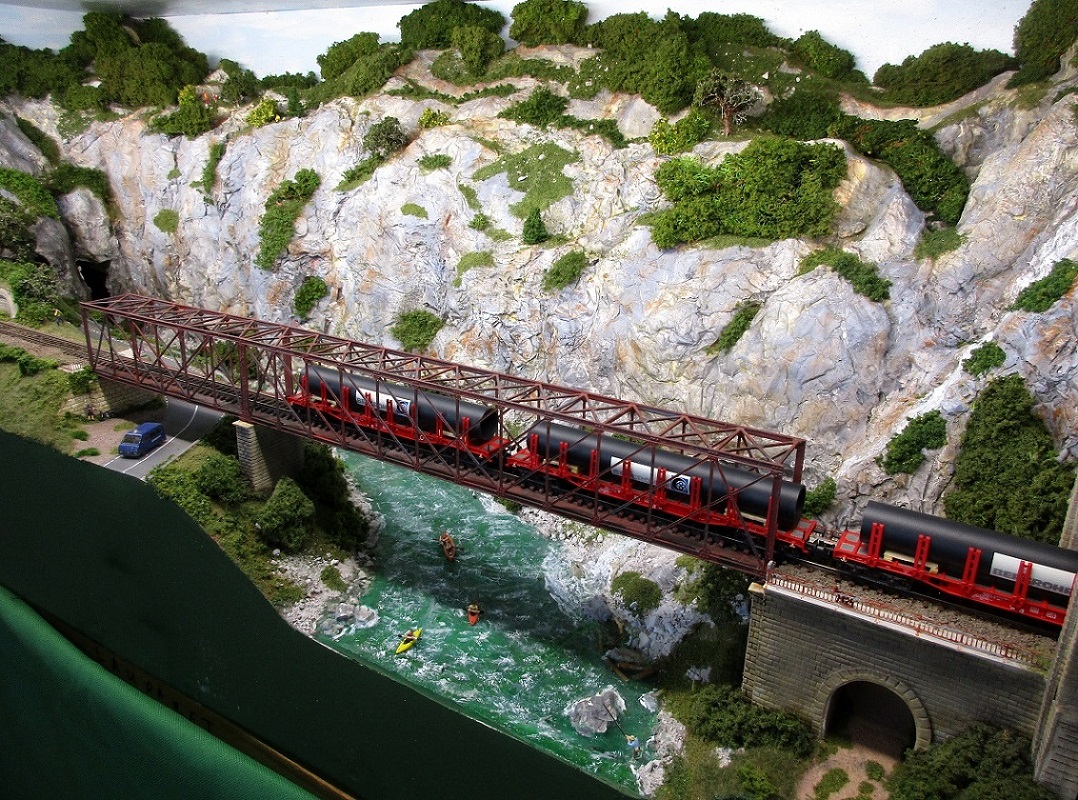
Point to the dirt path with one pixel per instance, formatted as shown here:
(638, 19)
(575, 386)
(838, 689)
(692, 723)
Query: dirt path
(856, 761)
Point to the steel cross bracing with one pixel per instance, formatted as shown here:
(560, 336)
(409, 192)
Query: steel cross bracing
(251, 368)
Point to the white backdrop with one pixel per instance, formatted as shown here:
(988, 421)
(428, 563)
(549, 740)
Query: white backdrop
(876, 32)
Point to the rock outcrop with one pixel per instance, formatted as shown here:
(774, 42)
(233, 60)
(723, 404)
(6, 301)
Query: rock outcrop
(819, 361)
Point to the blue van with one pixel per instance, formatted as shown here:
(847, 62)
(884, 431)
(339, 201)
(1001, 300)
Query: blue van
(142, 440)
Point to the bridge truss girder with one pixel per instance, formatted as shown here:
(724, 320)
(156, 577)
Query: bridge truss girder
(249, 368)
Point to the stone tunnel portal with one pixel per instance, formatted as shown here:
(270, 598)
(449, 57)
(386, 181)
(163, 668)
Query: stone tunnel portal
(871, 715)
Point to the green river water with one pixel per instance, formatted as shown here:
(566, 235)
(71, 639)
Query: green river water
(527, 660)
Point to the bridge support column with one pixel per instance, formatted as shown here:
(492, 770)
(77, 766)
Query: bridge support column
(1055, 747)
(267, 455)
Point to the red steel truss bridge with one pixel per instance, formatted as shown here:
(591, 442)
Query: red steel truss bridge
(485, 430)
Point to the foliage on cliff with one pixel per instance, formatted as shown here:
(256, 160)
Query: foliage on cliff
(1007, 475)
(773, 189)
(942, 73)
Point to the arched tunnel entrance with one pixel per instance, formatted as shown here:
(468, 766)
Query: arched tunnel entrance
(95, 275)
(871, 715)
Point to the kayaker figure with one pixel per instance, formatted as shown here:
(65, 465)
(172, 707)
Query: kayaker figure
(474, 611)
(634, 744)
(410, 636)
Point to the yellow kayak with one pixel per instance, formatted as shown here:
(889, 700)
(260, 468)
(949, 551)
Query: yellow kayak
(409, 640)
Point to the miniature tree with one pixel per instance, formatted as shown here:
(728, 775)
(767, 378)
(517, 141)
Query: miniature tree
(730, 95)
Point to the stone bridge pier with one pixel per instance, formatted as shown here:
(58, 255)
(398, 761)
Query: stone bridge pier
(267, 455)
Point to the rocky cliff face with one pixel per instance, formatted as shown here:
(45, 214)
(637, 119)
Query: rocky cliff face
(819, 361)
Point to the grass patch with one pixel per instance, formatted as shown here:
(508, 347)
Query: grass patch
(535, 171)
(1041, 295)
(905, 451)
(862, 276)
(564, 271)
(331, 577)
(434, 161)
(415, 330)
(359, 174)
(30, 406)
(984, 358)
(481, 258)
(832, 781)
(471, 196)
(731, 334)
(413, 210)
(934, 243)
(167, 220)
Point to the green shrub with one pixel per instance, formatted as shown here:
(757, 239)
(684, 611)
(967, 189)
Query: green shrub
(539, 22)
(480, 258)
(807, 113)
(433, 119)
(35, 73)
(607, 128)
(366, 74)
(984, 358)
(220, 477)
(1041, 37)
(732, 332)
(1007, 474)
(64, 178)
(209, 171)
(35, 288)
(310, 292)
(180, 487)
(566, 270)
(773, 189)
(904, 452)
(414, 210)
(431, 26)
(542, 108)
(282, 207)
(385, 137)
(167, 220)
(875, 771)
(41, 140)
(820, 499)
(535, 231)
(324, 480)
(477, 47)
(825, 58)
(942, 73)
(639, 594)
(287, 518)
(193, 118)
(1041, 295)
(241, 85)
(27, 363)
(935, 183)
(331, 577)
(415, 330)
(79, 97)
(934, 243)
(863, 277)
(666, 78)
(832, 780)
(744, 30)
(357, 175)
(686, 133)
(30, 193)
(480, 222)
(82, 381)
(983, 762)
(434, 161)
(722, 714)
(342, 55)
(263, 114)
(87, 452)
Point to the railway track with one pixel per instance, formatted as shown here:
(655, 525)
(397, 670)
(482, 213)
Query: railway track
(34, 336)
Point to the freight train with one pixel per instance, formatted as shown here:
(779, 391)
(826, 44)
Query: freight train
(1006, 574)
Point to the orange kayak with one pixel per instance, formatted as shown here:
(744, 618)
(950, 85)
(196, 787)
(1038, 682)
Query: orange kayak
(449, 547)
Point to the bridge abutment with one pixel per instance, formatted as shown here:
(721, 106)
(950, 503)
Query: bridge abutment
(266, 455)
(822, 659)
(1055, 747)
